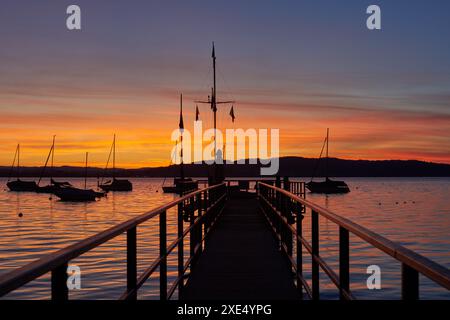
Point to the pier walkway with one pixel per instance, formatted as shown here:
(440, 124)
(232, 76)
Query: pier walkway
(241, 260)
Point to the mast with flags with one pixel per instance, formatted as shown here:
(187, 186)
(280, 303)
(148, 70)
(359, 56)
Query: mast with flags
(212, 100)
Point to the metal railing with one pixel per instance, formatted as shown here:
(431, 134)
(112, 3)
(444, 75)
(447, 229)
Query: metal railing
(200, 208)
(283, 210)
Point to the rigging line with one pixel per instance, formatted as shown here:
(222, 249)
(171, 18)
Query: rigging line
(12, 166)
(173, 155)
(318, 160)
(45, 165)
(107, 163)
(18, 161)
(229, 92)
(205, 82)
(53, 155)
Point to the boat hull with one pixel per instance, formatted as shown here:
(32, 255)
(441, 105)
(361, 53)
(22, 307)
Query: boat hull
(181, 186)
(117, 185)
(328, 187)
(21, 186)
(76, 195)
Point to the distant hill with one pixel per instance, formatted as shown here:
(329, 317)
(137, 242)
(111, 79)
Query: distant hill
(289, 166)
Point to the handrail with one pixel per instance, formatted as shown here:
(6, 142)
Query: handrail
(279, 201)
(57, 262)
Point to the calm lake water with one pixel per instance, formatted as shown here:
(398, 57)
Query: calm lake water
(412, 211)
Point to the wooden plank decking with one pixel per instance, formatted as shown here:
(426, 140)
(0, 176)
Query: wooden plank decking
(241, 259)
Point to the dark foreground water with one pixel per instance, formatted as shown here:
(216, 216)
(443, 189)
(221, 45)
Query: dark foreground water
(412, 211)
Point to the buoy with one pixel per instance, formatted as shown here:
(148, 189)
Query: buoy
(20, 214)
(396, 202)
(379, 203)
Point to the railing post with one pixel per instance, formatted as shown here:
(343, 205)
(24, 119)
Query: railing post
(299, 252)
(180, 250)
(315, 252)
(60, 292)
(191, 233)
(162, 254)
(199, 228)
(344, 262)
(287, 230)
(131, 263)
(206, 214)
(410, 283)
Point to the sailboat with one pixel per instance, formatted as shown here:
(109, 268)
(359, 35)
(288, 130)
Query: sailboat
(72, 194)
(182, 184)
(328, 186)
(115, 184)
(18, 184)
(53, 184)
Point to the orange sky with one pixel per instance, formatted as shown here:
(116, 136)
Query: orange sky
(143, 138)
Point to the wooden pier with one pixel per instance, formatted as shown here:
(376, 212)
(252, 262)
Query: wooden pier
(242, 245)
(241, 260)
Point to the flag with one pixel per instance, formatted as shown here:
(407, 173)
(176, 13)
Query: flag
(181, 124)
(213, 52)
(232, 114)
(197, 113)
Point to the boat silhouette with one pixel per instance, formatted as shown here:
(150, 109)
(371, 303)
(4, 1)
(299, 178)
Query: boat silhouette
(54, 185)
(72, 194)
(328, 186)
(115, 184)
(19, 185)
(181, 184)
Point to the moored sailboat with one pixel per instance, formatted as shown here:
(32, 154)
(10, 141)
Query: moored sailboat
(182, 184)
(328, 186)
(115, 184)
(72, 194)
(54, 185)
(19, 185)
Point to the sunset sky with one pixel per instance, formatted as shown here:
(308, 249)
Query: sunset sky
(300, 66)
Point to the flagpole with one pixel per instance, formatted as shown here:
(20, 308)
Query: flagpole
(214, 107)
(212, 100)
(181, 125)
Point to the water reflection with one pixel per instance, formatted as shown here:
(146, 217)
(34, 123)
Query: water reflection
(414, 212)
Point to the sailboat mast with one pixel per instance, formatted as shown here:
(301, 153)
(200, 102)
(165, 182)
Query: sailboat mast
(53, 153)
(114, 158)
(18, 161)
(326, 163)
(85, 171)
(181, 125)
(213, 100)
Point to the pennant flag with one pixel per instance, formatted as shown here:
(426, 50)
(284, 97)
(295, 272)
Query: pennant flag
(232, 114)
(181, 124)
(197, 113)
